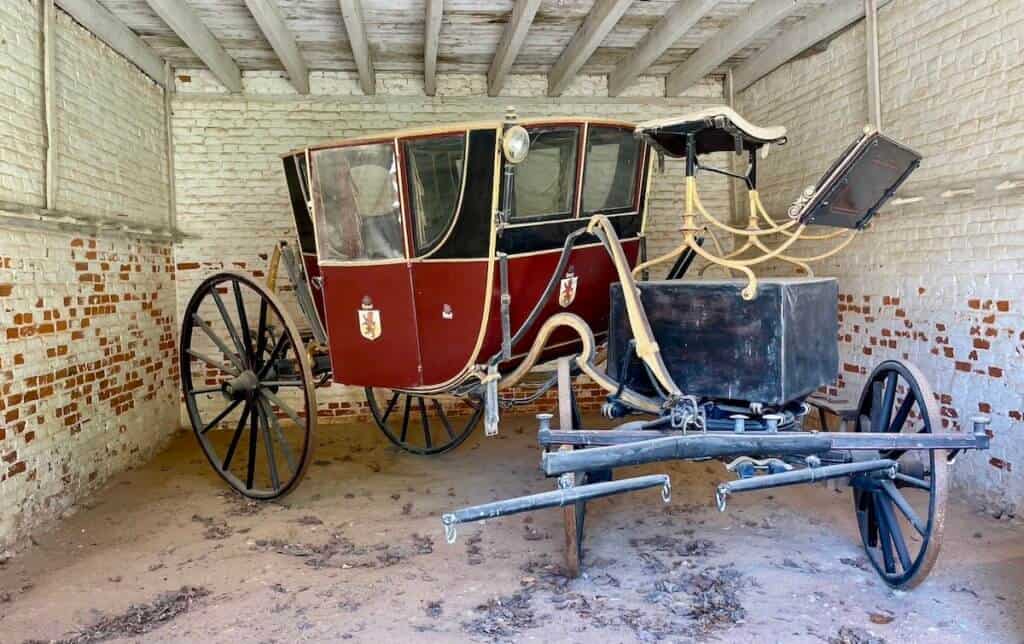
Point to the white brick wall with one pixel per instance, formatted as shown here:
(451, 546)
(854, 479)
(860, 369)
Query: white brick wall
(111, 153)
(231, 193)
(938, 282)
(88, 382)
(22, 134)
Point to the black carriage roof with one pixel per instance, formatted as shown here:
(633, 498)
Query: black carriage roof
(448, 128)
(716, 129)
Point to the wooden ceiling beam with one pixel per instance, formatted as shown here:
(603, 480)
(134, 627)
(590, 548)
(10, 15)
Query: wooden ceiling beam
(511, 42)
(431, 40)
(108, 28)
(679, 19)
(819, 26)
(602, 18)
(183, 21)
(352, 15)
(268, 16)
(745, 29)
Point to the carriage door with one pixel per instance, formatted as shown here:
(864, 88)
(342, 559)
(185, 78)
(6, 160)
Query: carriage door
(371, 320)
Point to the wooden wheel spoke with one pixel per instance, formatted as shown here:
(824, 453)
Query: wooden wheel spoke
(426, 423)
(227, 322)
(213, 362)
(208, 330)
(268, 444)
(904, 506)
(235, 438)
(205, 390)
(261, 335)
(902, 414)
(275, 427)
(219, 417)
(444, 418)
(892, 526)
(884, 538)
(250, 473)
(243, 320)
(272, 397)
(888, 401)
(278, 353)
(876, 406)
(405, 418)
(391, 406)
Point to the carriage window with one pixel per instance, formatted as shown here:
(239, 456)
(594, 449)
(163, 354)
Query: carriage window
(546, 180)
(355, 193)
(435, 167)
(609, 175)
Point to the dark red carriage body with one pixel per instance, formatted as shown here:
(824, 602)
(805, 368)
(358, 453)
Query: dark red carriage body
(402, 242)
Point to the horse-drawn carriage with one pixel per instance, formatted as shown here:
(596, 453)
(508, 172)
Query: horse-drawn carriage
(438, 268)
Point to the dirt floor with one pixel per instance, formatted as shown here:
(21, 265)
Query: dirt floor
(165, 554)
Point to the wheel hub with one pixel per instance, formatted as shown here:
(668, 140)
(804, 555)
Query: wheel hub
(242, 385)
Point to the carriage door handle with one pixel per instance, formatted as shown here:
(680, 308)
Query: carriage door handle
(317, 282)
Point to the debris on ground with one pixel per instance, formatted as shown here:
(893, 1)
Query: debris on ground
(855, 635)
(474, 554)
(309, 519)
(502, 617)
(215, 528)
(140, 619)
(240, 506)
(341, 552)
(881, 616)
(434, 608)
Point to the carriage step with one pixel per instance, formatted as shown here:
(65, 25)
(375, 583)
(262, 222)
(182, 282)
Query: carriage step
(554, 499)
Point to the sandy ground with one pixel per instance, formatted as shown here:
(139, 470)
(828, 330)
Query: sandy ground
(358, 554)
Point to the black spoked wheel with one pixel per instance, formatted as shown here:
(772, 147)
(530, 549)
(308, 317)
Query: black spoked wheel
(247, 384)
(420, 424)
(901, 520)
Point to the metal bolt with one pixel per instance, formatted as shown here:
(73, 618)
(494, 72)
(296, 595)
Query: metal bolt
(545, 421)
(772, 420)
(739, 422)
(980, 422)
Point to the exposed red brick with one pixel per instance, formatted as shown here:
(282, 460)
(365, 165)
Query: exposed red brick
(5, 289)
(974, 303)
(1003, 306)
(1000, 463)
(995, 372)
(962, 366)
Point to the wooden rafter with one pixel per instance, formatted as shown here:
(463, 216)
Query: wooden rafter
(352, 15)
(108, 28)
(748, 27)
(431, 39)
(679, 19)
(511, 41)
(268, 16)
(602, 18)
(183, 21)
(817, 27)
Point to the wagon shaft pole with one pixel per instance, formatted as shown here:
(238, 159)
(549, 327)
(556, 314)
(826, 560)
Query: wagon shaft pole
(554, 499)
(804, 475)
(681, 448)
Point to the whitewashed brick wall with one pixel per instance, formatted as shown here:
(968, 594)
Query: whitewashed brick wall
(22, 133)
(939, 282)
(231, 195)
(88, 378)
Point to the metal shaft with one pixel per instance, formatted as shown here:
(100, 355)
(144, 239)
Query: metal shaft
(804, 475)
(681, 448)
(553, 499)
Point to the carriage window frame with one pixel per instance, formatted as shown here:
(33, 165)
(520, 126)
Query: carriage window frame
(327, 255)
(420, 245)
(570, 213)
(637, 174)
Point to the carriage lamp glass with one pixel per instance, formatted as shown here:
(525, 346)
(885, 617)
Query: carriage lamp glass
(515, 144)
